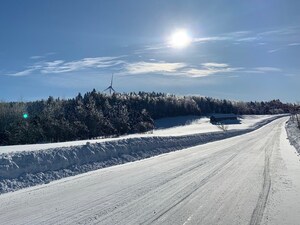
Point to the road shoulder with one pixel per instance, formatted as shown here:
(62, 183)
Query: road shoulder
(284, 201)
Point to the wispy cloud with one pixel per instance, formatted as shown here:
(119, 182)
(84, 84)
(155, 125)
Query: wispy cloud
(285, 46)
(294, 44)
(179, 69)
(36, 57)
(238, 36)
(263, 70)
(151, 48)
(213, 38)
(215, 65)
(210, 69)
(268, 69)
(22, 73)
(274, 50)
(281, 31)
(152, 67)
(240, 33)
(251, 36)
(61, 66)
(269, 36)
(248, 39)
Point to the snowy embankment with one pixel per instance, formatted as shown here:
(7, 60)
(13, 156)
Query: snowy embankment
(293, 133)
(27, 168)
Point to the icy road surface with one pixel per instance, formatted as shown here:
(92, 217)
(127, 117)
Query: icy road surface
(249, 179)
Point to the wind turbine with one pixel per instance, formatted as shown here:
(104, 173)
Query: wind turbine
(110, 88)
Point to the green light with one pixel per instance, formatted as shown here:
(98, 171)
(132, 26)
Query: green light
(25, 115)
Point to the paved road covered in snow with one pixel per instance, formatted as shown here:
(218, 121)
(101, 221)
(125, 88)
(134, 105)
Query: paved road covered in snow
(250, 179)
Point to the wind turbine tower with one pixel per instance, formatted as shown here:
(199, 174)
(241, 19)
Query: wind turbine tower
(110, 88)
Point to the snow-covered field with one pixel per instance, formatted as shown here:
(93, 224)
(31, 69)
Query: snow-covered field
(195, 125)
(164, 127)
(248, 179)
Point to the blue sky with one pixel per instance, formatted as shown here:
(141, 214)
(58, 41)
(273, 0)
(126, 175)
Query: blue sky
(239, 50)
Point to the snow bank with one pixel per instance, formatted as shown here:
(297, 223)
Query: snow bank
(23, 169)
(293, 133)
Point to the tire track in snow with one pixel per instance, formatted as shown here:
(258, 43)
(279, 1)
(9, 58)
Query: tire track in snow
(193, 190)
(190, 171)
(153, 184)
(189, 187)
(259, 209)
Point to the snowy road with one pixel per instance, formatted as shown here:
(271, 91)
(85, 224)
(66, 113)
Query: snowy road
(249, 179)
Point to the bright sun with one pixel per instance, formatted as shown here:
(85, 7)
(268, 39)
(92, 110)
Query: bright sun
(180, 39)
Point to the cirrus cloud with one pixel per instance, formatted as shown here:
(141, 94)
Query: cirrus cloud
(267, 69)
(210, 69)
(153, 67)
(61, 66)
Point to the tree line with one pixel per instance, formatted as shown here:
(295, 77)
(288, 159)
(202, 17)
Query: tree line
(96, 114)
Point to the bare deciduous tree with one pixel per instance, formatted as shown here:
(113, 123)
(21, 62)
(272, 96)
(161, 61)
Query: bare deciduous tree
(222, 126)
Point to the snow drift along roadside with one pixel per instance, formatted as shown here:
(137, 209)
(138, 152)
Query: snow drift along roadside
(23, 169)
(293, 133)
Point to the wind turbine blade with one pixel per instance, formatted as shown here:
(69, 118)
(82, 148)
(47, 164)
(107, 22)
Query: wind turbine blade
(106, 89)
(113, 89)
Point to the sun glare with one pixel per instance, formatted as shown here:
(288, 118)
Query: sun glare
(180, 39)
